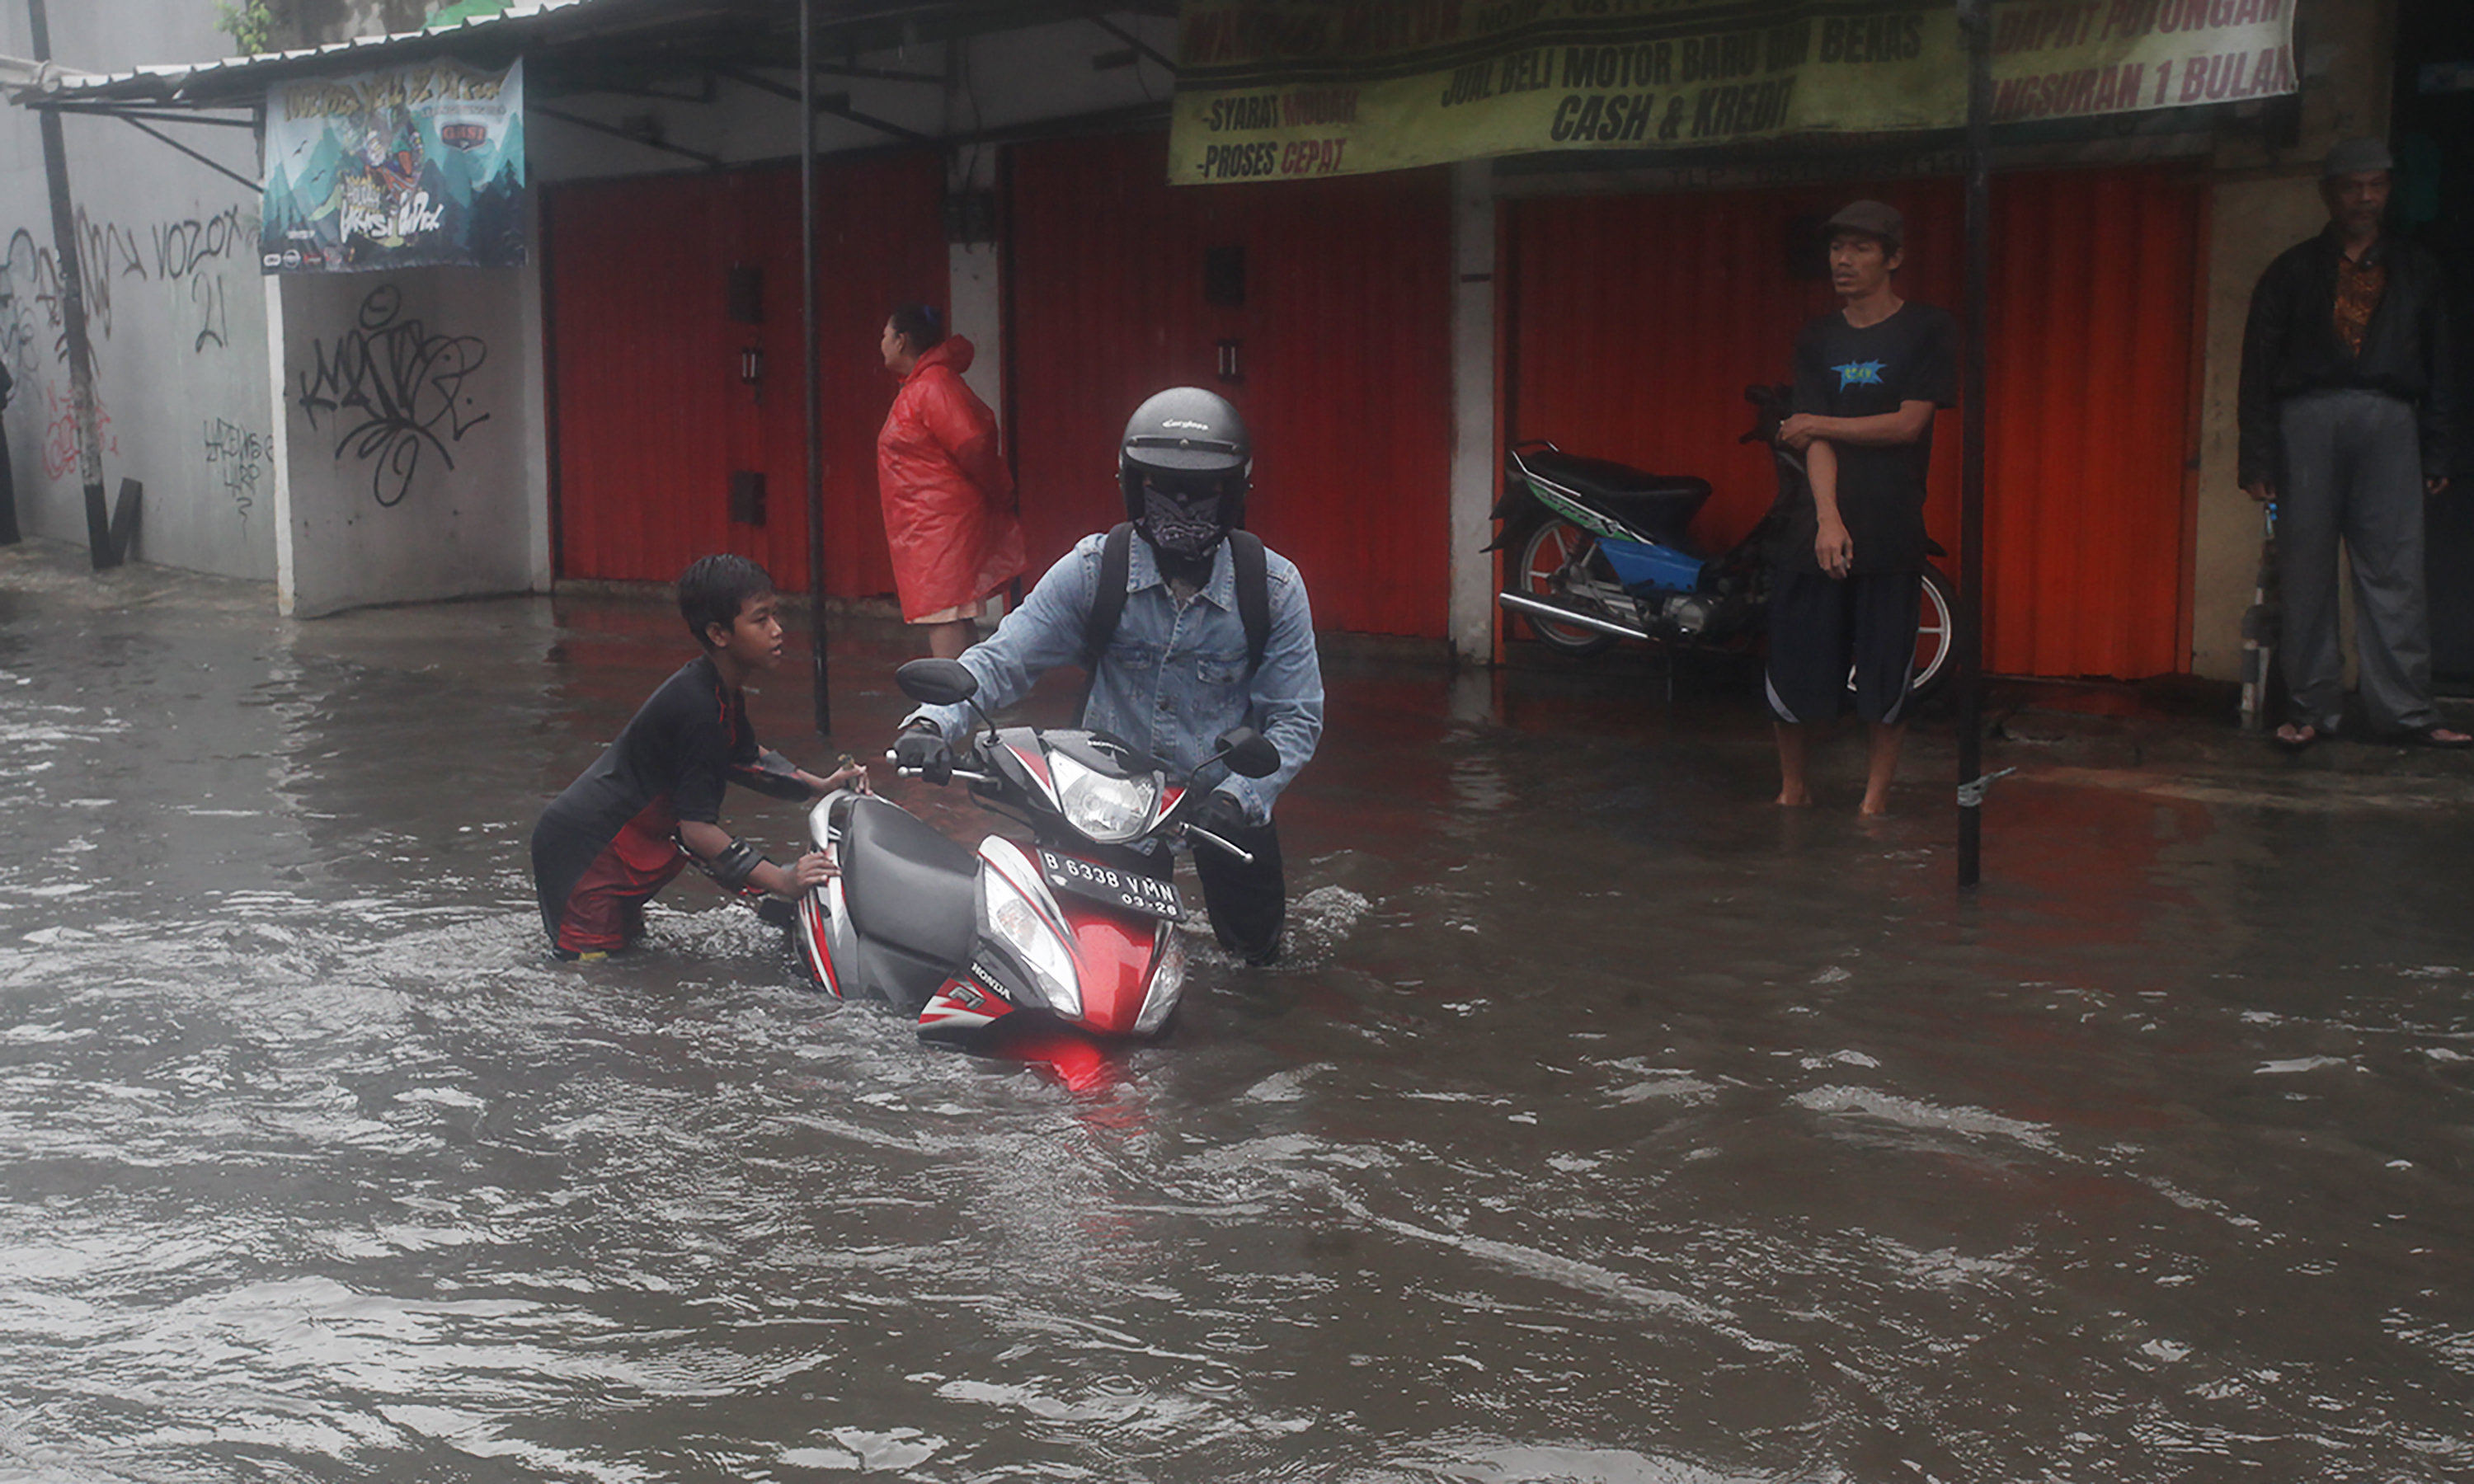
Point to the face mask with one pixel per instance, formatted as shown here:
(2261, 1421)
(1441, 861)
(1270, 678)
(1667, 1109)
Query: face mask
(1187, 527)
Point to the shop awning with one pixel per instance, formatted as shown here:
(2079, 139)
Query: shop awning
(574, 46)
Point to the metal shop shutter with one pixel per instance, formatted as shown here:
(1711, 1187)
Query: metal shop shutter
(1336, 296)
(675, 343)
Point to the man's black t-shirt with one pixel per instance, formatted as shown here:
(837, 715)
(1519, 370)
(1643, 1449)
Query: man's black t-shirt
(677, 751)
(1845, 371)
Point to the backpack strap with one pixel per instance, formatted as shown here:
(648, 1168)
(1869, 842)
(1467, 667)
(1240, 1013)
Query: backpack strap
(1108, 599)
(1108, 605)
(1254, 595)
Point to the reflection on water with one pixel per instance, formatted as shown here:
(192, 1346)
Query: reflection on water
(1605, 1126)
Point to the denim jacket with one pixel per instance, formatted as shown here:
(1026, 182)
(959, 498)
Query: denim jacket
(1173, 678)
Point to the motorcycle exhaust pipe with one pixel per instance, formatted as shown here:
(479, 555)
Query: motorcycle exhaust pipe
(1565, 615)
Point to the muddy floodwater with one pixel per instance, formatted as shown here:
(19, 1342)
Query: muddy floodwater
(1604, 1125)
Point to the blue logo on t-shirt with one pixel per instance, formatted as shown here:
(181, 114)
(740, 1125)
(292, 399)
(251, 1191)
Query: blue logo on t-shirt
(1860, 373)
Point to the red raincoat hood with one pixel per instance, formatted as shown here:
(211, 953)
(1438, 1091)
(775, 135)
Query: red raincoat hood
(954, 351)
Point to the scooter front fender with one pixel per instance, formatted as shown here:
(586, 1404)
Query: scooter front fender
(1117, 956)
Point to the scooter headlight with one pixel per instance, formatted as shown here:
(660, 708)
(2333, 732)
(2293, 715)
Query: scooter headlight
(1106, 810)
(1019, 926)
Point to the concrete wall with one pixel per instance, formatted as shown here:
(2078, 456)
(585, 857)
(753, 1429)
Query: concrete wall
(413, 439)
(169, 254)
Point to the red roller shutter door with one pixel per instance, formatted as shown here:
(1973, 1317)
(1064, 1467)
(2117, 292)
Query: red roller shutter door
(654, 412)
(1637, 322)
(1344, 340)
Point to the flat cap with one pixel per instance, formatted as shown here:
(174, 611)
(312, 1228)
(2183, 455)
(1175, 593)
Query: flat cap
(1870, 217)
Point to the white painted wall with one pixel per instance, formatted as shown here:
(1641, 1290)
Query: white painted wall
(1475, 475)
(414, 449)
(974, 293)
(175, 309)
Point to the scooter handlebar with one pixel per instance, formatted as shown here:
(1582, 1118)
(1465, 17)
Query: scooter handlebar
(1197, 832)
(966, 775)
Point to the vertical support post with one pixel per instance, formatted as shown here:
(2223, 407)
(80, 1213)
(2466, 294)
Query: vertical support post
(1975, 24)
(100, 547)
(1477, 467)
(811, 399)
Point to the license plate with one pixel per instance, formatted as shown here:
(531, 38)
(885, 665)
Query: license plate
(1134, 890)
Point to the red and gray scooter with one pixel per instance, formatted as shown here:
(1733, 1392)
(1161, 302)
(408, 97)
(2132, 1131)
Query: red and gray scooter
(1077, 925)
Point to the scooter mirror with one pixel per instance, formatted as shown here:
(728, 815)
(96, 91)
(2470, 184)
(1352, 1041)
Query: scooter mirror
(936, 681)
(1248, 752)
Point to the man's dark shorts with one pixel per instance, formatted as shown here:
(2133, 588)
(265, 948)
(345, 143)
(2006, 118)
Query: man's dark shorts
(1821, 626)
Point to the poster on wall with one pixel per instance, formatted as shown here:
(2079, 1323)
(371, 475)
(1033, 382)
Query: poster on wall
(1289, 89)
(417, 166)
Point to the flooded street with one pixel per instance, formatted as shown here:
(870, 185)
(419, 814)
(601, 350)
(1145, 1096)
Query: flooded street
(1604, 1124)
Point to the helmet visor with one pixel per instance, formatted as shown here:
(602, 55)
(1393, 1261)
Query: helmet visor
(1184, 453)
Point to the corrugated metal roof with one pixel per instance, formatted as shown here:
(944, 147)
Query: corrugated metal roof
(170, 82)
(747, 33)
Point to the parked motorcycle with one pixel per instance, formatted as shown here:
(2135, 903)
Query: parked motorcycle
(1601, 552)
(1073, 926)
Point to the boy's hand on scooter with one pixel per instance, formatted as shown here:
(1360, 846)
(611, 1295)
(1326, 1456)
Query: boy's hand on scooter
(810, 871)
(848, 772)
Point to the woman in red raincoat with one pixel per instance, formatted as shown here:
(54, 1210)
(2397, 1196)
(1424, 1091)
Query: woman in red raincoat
(948, 496)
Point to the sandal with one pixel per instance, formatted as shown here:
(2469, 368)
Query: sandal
(2295, 737)
(2444, 738)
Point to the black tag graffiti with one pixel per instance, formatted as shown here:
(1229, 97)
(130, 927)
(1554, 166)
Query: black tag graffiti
(405, 386)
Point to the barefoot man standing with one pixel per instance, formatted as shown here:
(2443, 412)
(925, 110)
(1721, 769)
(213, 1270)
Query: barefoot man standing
(1848, 569)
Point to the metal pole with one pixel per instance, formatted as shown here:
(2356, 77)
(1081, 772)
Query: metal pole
(810, 399)
(100, 547)
(1975, 26)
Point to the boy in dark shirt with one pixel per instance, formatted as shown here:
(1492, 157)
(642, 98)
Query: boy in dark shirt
(1867, 380)
(623, 829)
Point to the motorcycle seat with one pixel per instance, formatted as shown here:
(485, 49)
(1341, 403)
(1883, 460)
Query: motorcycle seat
(906, 886)
(1662, 504)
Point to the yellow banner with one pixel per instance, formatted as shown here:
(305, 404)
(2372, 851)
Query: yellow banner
(1289, 90)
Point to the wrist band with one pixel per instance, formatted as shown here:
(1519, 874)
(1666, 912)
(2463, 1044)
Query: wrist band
(736, 862)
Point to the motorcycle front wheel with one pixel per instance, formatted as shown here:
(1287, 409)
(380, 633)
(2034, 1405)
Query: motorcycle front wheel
(1555, 557)
(1936, 634)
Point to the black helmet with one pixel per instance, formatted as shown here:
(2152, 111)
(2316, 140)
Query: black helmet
(1185, 465)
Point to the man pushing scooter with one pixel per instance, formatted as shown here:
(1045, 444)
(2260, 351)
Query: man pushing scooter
(1192, 631)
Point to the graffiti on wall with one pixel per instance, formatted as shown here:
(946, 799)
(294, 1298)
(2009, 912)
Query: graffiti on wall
(60, 443)
(396, 393)
(234, 458)
(213, 320)
(188, 254)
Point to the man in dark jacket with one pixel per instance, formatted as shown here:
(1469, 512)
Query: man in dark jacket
(2344, 400)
